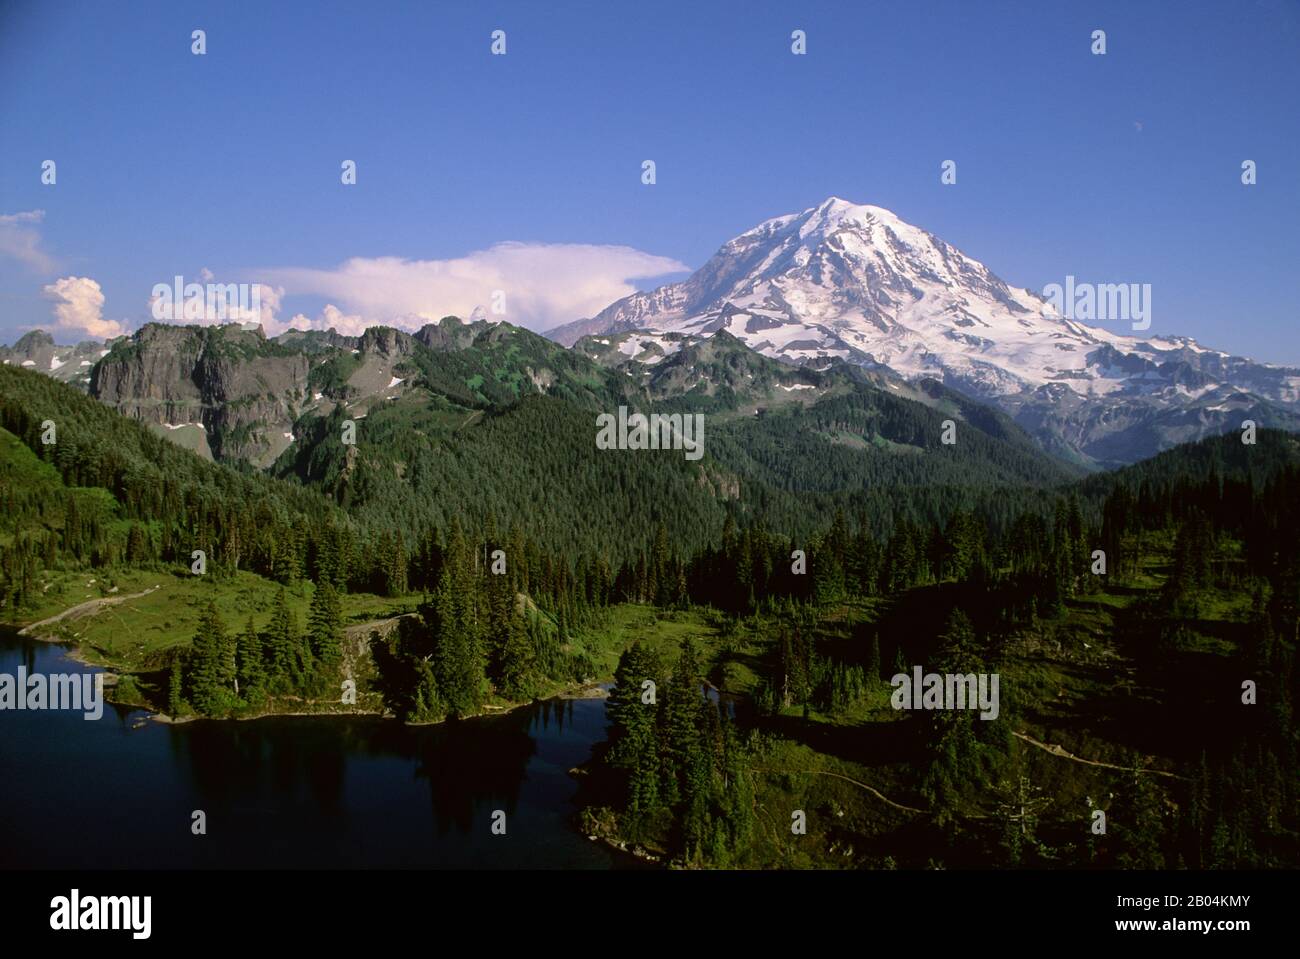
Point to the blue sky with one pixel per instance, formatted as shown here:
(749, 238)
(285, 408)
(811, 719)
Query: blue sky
(1117, 168)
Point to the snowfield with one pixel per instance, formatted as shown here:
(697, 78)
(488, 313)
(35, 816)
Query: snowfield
(855, 282)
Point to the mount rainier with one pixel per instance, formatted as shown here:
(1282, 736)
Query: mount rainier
(849, 283)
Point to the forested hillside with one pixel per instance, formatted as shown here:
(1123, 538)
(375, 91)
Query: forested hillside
(506, 426)
(466, 419)
(462, 557)
(1157, 642)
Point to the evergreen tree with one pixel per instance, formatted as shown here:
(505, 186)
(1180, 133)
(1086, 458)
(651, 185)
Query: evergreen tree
(458, 652)
(679, 735)
(873, 658)
(209, 671)
(250, 671)
(737, 788)
(283, 645)
(632, 736)
(518, 660)
(325, 625)
(175, 688)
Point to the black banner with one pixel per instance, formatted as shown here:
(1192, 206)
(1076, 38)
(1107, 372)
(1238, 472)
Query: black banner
(336, 909)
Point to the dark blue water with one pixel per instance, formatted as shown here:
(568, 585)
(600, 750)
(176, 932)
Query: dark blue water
(293, 792)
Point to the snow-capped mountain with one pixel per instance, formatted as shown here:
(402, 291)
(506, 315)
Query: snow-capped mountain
(842, 281)
(71, 364)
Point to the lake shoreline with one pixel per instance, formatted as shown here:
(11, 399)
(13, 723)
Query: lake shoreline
(584, 691)
(72, 650)
(112, 678)
(370, 793)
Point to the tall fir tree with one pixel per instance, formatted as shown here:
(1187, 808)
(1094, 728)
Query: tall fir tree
(282, 645)
(325, 625)
(250, 669)
(209, 665)
(631, 710)
(459, 662)
(175, 688)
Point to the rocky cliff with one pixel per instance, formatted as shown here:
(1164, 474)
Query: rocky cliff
(242, 390)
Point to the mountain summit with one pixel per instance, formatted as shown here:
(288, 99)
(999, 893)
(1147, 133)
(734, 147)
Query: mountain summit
(854, 282)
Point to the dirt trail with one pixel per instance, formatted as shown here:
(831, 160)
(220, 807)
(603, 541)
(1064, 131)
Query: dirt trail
(1059, 751)
(363, 630)
(88, 608)
(1054, 750)
(871, 789)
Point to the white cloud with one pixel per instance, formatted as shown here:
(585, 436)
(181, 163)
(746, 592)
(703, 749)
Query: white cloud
(331, 318)
(544, 284)
(79, 308)
(20, 239)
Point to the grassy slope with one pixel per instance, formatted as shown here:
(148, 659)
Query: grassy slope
(131, 635)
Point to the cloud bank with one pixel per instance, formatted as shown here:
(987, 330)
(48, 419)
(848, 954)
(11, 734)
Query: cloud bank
(534, 285)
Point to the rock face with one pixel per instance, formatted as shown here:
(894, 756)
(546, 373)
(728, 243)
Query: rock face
(850, 282)
(450, 334)
(229, 393)
(243, 391)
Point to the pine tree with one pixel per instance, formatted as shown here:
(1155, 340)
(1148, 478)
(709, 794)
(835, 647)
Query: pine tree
(282, 644)
(951, 739)
(518, 660)
(136, 549)
(397, 576)
(428, 704)
(738, 789)
(458, 658)
(1138, 823)
(499, 633)
(175, 688)
(208, 669)
(661, 579)
(324, 625)
(633, 744)
(250, 672)
(958, 650)
(680, 744)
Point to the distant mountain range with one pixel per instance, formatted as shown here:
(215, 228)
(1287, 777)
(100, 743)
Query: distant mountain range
(476, 419)
(844, 290)
(842, 281)
(69, 364)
